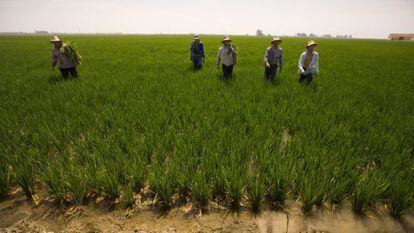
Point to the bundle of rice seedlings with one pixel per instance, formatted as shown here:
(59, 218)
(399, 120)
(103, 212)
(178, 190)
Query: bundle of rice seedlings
(70, 49)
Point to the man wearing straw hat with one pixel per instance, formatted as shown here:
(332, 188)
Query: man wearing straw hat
(67, 65)
(197, 53)
(273, 59)
(227, 56)
(308, 63)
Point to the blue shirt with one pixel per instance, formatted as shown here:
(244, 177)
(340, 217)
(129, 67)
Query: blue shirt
(197, 50)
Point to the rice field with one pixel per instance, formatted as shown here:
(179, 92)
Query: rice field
(139, 117)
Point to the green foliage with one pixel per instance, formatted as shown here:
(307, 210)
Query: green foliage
(71, 50)
(138, 115)
(161, 182)
(24, 174)
(200, 189)
(256, 190)
(75, 182)
(281, 173)
(4, 177)
(400, 193)
(128, 196)
(369, 188)
(52, 176)
(235, 183)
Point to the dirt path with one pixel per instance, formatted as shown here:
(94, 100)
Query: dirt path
(19, 215)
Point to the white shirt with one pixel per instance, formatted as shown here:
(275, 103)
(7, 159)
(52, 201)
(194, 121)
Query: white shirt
(226, 55)
(313, 66)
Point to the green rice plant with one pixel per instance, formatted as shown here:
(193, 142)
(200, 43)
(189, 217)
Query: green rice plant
(306, 194)
(235, 183)
(400, 193)
(91, 165)
(281, 175)
(218, 183)
(184, 174)
(75, 182)
(256, 190)
(313, 182)
(216, 172)
(344, 176)
(51, 175)
(4, 177)
(128, 196)
(161, 182)
(200, 189)
(134, 170)
(370, 187)
(24, 174)
(108, 182)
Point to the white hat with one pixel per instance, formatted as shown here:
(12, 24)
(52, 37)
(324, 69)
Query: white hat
(276, 39)
(226, 38)
(55, 39)
(310, 43)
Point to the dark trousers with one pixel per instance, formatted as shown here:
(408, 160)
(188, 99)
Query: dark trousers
(306, 77)
(68, 71)
(270, 73)
(227, 71)
(197, 62)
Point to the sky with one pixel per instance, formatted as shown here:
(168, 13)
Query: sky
(359, 18)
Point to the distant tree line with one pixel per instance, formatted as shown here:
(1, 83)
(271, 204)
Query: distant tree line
(259, 32)
(323, 36)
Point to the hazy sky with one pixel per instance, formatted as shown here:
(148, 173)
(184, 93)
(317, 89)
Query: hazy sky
(361, 18)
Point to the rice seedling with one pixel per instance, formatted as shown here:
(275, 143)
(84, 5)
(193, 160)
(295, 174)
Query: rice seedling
(24, 175)
(75, 182)
(108, 181)
(52, 176)
(128, 196)
(71, 50)
(256, 191)
(344, 177)
(401, 198)
(400, 193)
(161, 182)
(280, 176)
(4, 177)
(200, 189)
(305, 190)
(369, 188)
(235, 183)
(134, 170)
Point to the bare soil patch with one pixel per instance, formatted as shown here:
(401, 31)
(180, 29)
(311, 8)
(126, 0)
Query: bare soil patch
(19, 215)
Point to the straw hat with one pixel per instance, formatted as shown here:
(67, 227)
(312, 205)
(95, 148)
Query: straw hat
(226, 38)
(196, 37)
(276, 39)
(55, 39)
(310, 43)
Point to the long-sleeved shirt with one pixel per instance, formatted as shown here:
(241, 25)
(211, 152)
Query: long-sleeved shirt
(64, 61)
(226, 55)
(197, 50)
(313, 66)
(273, 56)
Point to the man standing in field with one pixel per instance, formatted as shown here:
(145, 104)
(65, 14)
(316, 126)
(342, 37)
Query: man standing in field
(227, 56)
(66, 56)
(197, 53)
(273, 59)
(308, 63)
